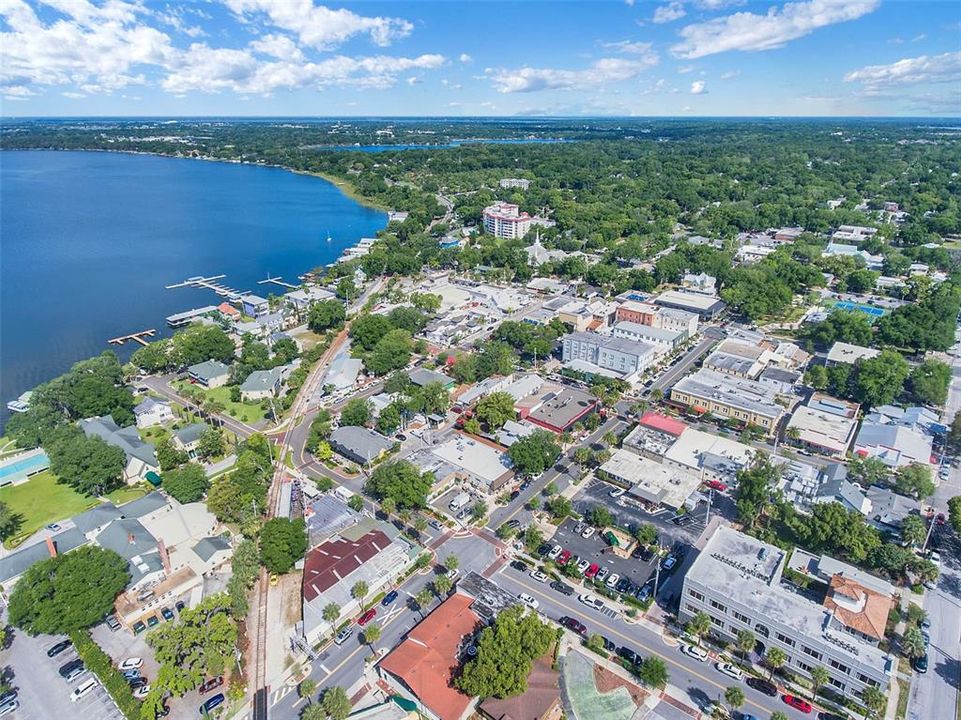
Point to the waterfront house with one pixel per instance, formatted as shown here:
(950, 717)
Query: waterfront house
(141, 458)
(152, 412)
(210, 374)
(254, 305)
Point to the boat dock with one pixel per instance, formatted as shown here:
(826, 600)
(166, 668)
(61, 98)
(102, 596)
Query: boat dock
(277, 281)
(210, 283)
(136, 337)
(186, 317)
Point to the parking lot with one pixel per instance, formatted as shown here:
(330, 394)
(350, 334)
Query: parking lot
(42, 693)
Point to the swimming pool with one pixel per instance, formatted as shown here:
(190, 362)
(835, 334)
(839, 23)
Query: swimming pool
(23, 467)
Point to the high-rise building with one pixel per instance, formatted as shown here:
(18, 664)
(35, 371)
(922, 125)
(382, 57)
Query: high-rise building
(506, 221)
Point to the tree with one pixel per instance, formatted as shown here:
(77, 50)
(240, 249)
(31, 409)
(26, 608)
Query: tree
(559, 507)
(734, 697)
(388, 506)
(372, 634)
(754, 487)
(402, 482)
(442, 585)
(313, 712)
(356, 503)
(325, 315)
(68, 592)
(817, 377)
(10, 521)
(357, 412)
(912, 643)
(478, 511)
(211, 443)
(335, 702)
(87, 464)
(913, 530)
(582, 456)
(389, 420)
(646, 534)
(168, 456)
(653, 672)
(600, 516)
(929, 382)
(550, 489)
(320, 429)
(610, 439)
(331, 612)
(819, 678)
(878, 380)
(452, 562)
(359, 590)
(392, 351)
(698, 626)
(834, 529)
(954, 511)
(774, 658)
(282, 543)
(496, 409)
(505, 655)
(200, 645)
(423, 598)
(533, 454)
(745, 642)
(187, 484)
(914, 480)
(306, 688)
(779, 715)
(874, 700)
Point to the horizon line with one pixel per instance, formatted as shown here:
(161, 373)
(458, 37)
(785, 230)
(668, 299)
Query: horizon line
(480, 117)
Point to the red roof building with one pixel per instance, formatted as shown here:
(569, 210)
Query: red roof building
(426, 661)
(328, 564)
(228, 310)
(662, 423)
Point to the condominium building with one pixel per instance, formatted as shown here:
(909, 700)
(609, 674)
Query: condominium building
(665, 339)
(506, 221)
(605, 355)
(736, 579)
(521, 183)
(737, 398)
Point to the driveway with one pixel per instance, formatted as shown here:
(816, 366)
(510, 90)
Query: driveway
(42, 693)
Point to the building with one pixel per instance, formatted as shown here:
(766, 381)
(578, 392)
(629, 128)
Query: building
(484, 464)
(359, 444)
(710, 457)
(559, 408)
(421, 377)
(842, 352)
(737, 581)
(301, 300)
(254, 306)
(187, 439)
(657, 485)
(507, 183)
(633, 311)
(228, 311)
(700, 283)
(853, 233)
(736, 398)
(610, 356)
(152, 412)
(873, 262)
(824, 433)
(919, 419)
(209, 374)
(140, 455)
(738, 359)
(823, 402)
(667, 340)
(783, 381)
(677, 320)
(261, 384)
(537, 254)
(506, 221)
(343, 372)
(540, 701)
(887, 509)
(705, 306)
(894, 445)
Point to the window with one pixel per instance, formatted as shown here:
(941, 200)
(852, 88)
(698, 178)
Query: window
(803, 665)
(840, 666)
(785, 639)
(836, 683)
(813, 653)
(717, 605)
(762, 630)
(691, 609)
(868, 681)
(695, 594)
(743, 618)
(717, 622)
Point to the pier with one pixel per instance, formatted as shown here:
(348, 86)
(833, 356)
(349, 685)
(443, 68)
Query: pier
(209, 283)
(277, 281)
(136, 337)
(186, 317)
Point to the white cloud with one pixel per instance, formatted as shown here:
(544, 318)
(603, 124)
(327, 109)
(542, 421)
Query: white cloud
(465, 58)
(668, 13)
(414, 80)
(73, 95)
(909, 71)
(629, 47)
(278, 46)
(730, 74)
(685, 69)
(18, 92)
(698, 87)
(717, 4)
(601, 72)
(750, 31)
(318, 26)
(918, 38)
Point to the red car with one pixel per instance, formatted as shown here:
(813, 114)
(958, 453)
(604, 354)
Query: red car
(210, 684)
(564, 557)
(572, 624)
(940, 519)
(798, 704)
(367, 617)
(592, 570)
(716, 485)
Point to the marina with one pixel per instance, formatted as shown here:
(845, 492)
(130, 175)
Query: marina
(277, 281)
(136, 337)
(185, 318)
(209, 283)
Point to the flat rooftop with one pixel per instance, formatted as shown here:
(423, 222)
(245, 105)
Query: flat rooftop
(651, 481)
(828, 431)
(696, 301)
(564, 408)
(474, 457)
(728, 390)
(842, 352)
(696, 448)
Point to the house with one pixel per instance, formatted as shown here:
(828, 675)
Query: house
(842, 352)
(700, 283)
(540, 701)
(262, 384)
(301, 300)
(343, 372)
(359, 444)
(425, 663)
(894, 445)
(209, 374)
(229, 311)
(483, 463)
(916, 418)
(254, 305)
(887, 509)
(187, 439)
(141, 457)
(422, 377)
(152, 412)
(835, 487)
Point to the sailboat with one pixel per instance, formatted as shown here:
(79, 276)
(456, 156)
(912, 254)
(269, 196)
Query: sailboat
(328, 236)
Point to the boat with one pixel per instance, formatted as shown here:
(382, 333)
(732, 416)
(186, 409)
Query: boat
(21, 404)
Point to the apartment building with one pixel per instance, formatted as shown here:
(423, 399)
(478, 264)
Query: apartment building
(605, 355)
(506, 221)
(736, 580)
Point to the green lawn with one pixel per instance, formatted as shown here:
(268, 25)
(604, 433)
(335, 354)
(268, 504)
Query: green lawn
(41, 501)
(238, 410)
(127, 493)
(7, 447)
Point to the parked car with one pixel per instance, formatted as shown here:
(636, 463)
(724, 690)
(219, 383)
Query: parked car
(591, 601)
(574, 625)
(601, 574)
(367, 617)
(83, 689)
(529, 600)
(167, 613)
(612, 580)
(668, 563)
(54, 527)
(55, 650)
(592, 570)
(545, 549)
(694, 651)
(343, 635)
(389, 598)
(539, 576)
(9, 706)
(153, 621)
(732, 671)
(211, 703)
(920, 664)
(562, 588)
(588, 533)
(112, 622)
(762, 685)
(555, 552)
(141, 692)
(210, 684)
(72, 669)
(131, 663)
(681, 520)
(180, 605)
(579, 528)
(582, 566)
(716, 485)
(632, 657)
(138, 627)
(608, 644)
(798, 703)
(131, 674)
(824, 715)
(617, 492)
(564, 557)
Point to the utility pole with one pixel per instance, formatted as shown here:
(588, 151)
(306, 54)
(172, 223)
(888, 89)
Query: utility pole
(927, 538)
(657, 569)
(710, 499)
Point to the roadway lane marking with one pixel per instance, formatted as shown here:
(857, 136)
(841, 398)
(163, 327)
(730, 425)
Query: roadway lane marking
(576, 611)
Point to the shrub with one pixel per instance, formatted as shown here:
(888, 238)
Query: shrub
(98, 662)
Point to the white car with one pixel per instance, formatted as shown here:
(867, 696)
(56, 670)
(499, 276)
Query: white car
(588, 532)
(141, 692)
(539, 576)
(582, 566)
(131, 664)
(617, 492)
(555, 551)
(579, 528)
(732, 671)
(935, 557)
(694, 651)
(612, 580)
(529, 601)
(601, 574)
(591, 601)
(83, 689)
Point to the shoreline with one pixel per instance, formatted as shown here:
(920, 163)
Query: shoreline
(345, 186)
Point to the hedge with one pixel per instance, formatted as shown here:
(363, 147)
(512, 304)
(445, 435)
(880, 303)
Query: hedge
(99, 663)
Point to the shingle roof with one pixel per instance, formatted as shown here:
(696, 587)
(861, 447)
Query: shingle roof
(262, 380)
(209, 546)
(143, 506)
(191, 433)
(128, 538)
(127, 439)
(208, 369)
(96, 517)
(15, 564)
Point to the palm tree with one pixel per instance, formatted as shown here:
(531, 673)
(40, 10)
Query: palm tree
(912, 643)
(359, 590)
(610, 439)
(819, 677)
(874, 700)
(423, 599)
(698, 626)
(313, 712)
(745, 642)
(335, 703)
(307, 688)
(451, 562)
(734, 697)
(442, 585)
(371, 635)
(779, 715)
(775, 658)
(331, 612)
(420, 524)
(582, 456)
(388, 505)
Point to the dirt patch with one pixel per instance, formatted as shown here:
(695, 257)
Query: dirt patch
(291, 594)
(606, 681)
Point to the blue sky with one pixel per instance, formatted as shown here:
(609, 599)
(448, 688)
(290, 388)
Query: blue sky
(302, 57)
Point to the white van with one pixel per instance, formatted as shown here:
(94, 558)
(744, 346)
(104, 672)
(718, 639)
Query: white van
(83, 689)
(460, 501)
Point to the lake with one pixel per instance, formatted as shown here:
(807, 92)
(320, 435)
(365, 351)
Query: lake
(88, 241)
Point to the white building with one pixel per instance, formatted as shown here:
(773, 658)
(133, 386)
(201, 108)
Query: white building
(655, 484)
(521, 183)
(506, 221)
(612, 356)
(152, 412)
(666, 340)
(853, 233)
(842, 352)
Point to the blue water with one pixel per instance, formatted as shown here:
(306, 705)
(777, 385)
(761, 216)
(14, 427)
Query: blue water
(28, 465)
(89, 240)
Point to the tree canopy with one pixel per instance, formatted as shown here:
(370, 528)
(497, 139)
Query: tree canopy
(282, 543)
(402, 482)
(187, 483)
(533, 454)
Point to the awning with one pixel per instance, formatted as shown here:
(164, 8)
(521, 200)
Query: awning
(612, 539)
(153, 478)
